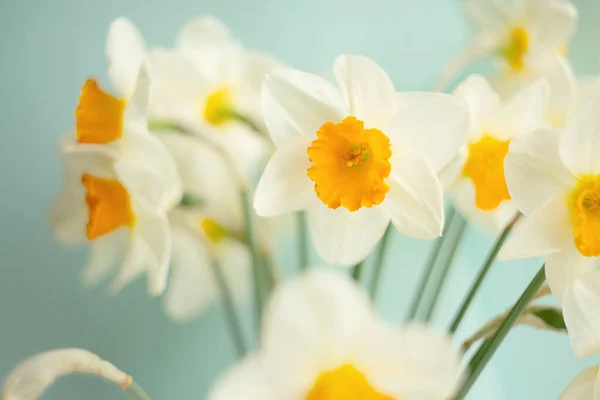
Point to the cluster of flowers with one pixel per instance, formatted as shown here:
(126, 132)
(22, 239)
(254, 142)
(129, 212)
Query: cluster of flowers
(160, 178)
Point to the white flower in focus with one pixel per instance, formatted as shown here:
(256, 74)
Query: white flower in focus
(554, 179)
(478, 188)
(585, 386)
(526, 35)
(211, 229)
(321, 341)
(357, 157)
(30, 379)
(206, 84)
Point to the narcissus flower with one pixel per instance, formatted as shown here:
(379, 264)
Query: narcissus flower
(479, 187)
(208, 84)
(321, 341)
(30, 379)
(585, 386)
(580, 304)
(120, 183)
(358, 156)
(553, 178)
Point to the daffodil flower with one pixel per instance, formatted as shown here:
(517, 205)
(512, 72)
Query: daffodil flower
(207, 84)
(477, 175)
(580, 303)
(31, 378)
(524, 35)
(553, 179)
(203, 232)
(321, 340)
(357, 157)
(120, 183)
(585, 386)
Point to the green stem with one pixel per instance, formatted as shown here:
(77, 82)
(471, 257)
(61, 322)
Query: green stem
(137, 392)
(489, 347)
(302, 240)
(429, 266)
(461, 225)
(482, 273)
(357, 271)
(257, 273)
(245, 119)
(378, 263)
(230, 313)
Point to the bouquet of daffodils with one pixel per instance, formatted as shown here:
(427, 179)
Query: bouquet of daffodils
(185, 172)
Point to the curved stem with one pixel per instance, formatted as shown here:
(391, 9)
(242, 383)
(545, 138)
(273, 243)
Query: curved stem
(461, 225)
(482, 273)
(429, 266)
(357, 271)
(137, 392)
(489, 347)
(302, 240)
(230, 313)
(378, 263)
(257, 270)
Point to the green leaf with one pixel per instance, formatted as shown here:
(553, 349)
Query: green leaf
(188, 200)
(553, 317)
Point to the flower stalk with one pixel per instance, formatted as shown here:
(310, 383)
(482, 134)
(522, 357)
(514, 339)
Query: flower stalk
(357, 271)
(378, 263)
(302, 240)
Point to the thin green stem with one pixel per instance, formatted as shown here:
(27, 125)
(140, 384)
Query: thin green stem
(357, 271)
(137, 392)
(230, 312)
(487, 350)
(429, 267)
(302, 240)
(257, 271)
(460, 224)
(378, 262)
(482, 274)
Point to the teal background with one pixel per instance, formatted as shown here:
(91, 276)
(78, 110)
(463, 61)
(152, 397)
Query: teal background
(48, 49)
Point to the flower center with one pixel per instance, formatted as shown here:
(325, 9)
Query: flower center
(214, 231)
(584, 207)
(485, 167)
(349, 164)
(344, 383)
(99, 115)
(515, 48)
(218, 106)
(108, 204)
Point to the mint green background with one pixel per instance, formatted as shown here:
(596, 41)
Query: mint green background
(48, 49)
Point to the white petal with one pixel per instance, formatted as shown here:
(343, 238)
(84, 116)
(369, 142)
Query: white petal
(345, 238)
(156, 235)
(125, 50)
(451, 172)
(136, 109)
(553, 22)
(310, 325)
(534, 171)
(134, 264)
(524, 112)
(583, 386)
(434, 125)
(414, 202)
(431, 365)
(248, 150)
(580, 143)
(245, 380)
(285, 186)
(69, 213)
(564, 267)
(488, 15)
(477, 92)
(368, 91)
(545, 231)
(563, 91)
(296, 103)
(105, 253)
(208, 42)
(581, 302)
(192, 287)
(142, 183)
(30, 379)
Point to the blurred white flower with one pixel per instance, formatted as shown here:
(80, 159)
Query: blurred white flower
(554, 179)
(585, 386)
(357, 157)
(207, 84)
(30, 379)
(580, 304)
(321, 340)
(477, 175)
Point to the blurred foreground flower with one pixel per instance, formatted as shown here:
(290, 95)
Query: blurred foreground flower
(321, 340)
(585, 386)
(357, 157)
